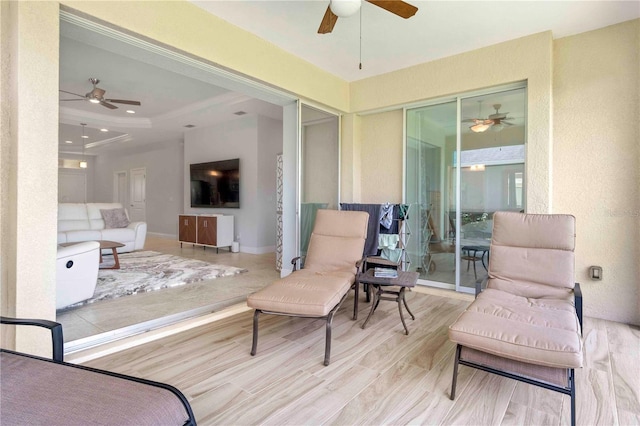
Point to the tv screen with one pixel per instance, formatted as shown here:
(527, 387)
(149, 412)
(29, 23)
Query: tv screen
(216, 184)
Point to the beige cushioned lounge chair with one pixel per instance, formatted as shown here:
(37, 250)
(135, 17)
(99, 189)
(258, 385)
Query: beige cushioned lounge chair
(334, 257)
(527, 324)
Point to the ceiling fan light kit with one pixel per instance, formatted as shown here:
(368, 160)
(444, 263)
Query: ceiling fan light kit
(345, 8)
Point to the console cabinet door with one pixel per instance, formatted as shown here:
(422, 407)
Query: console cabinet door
(207, 230)
(187, 228)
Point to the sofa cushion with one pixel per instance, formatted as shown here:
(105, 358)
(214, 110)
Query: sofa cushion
(72, 216)
(538, 331)
(121, 235)
(86, 235)
(95, 216)
(303, 292)
(114, 218)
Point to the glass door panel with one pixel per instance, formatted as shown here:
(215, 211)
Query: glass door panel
(319, 168)
(492, 156)
(430, 190)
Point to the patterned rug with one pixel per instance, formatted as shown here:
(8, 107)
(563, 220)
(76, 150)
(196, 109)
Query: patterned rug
(144, 271)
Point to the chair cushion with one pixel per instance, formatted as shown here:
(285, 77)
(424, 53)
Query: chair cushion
(542, 331)
(304, 292)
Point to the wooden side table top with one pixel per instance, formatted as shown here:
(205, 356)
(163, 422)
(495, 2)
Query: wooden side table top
(104, 244)
(404, 279)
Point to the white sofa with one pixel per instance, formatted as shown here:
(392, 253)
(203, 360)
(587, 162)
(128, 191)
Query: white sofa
(76, 272)
(83, 222)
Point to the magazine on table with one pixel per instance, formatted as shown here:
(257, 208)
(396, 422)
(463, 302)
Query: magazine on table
(385, 273)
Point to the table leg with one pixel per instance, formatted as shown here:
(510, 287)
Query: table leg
(399, 299)
(413, 317)
(116, 264)
(373, 304)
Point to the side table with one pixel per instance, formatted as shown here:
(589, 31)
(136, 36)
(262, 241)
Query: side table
(387, 286)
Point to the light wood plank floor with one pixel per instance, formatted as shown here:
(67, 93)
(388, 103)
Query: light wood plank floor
(377, 375)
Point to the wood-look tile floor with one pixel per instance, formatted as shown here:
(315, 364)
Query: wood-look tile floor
(377, 375)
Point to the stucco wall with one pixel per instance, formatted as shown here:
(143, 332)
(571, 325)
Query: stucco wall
(596, 156)
(30, 165)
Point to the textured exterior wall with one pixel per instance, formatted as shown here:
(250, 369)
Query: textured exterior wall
(382, 157)
(30, 166)
(596, 160)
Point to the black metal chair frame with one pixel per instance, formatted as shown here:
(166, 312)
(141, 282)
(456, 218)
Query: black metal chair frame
(328, 317)
(570, 389)
(58, 358)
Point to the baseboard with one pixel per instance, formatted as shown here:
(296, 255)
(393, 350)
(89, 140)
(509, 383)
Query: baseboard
(257, 250)
(165, 236)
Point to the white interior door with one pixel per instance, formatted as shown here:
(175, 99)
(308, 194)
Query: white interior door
(137, 195)
(72, 187)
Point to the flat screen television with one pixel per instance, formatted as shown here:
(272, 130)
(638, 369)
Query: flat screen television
(216, 184)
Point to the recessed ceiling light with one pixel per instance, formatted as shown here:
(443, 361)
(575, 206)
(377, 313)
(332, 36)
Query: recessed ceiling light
(189, 126)
(68, 141)
(240, 113)
(85, 137)
(130, 111)
(104, 130)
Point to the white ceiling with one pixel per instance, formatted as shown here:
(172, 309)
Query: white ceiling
(439, 28)
(175, 94)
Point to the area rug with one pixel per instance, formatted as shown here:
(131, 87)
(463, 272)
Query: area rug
(144, 271)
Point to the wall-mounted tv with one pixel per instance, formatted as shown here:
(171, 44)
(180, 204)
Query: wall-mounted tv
(216, 184)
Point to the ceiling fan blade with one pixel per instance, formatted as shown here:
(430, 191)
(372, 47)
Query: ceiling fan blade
(72, 100)
(328, 22)
(122, 101)
(71, 93)
(108, 105)
(397, 7)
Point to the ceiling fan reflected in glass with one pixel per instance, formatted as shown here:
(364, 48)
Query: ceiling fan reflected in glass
(96, 96)
(496, 121)
(345, 8)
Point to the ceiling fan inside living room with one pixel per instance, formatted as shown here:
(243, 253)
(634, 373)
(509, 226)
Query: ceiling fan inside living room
(345, 8)
(96, 96)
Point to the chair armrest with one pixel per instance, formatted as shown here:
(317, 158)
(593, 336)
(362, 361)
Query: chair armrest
(294, 262)
(56, 332)
(481, 283)
(577, 294)
(360, 263)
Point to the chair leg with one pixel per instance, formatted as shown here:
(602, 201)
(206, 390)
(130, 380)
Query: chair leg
(572, 381)
(455, 372)
(254, 346)
(327, 345)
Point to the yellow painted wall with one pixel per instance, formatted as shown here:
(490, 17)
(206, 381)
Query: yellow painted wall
(596, 162)
(29, 155)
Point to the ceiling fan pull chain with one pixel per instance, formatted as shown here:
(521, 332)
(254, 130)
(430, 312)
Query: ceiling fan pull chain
(360, 65)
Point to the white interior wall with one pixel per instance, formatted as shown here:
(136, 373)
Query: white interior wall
(164, 166)
(254, 222)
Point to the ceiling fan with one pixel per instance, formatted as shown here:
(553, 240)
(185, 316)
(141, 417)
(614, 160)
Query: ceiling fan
(344, 8)
(96, 96)
(496, 121)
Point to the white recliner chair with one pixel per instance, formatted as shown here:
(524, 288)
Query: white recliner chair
(77, 272)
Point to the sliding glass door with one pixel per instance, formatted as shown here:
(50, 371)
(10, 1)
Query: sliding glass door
(464, 160)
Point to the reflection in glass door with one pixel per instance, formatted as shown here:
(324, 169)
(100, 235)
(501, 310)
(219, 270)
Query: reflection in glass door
(429, 189)
(319, 168)
(467, 152)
